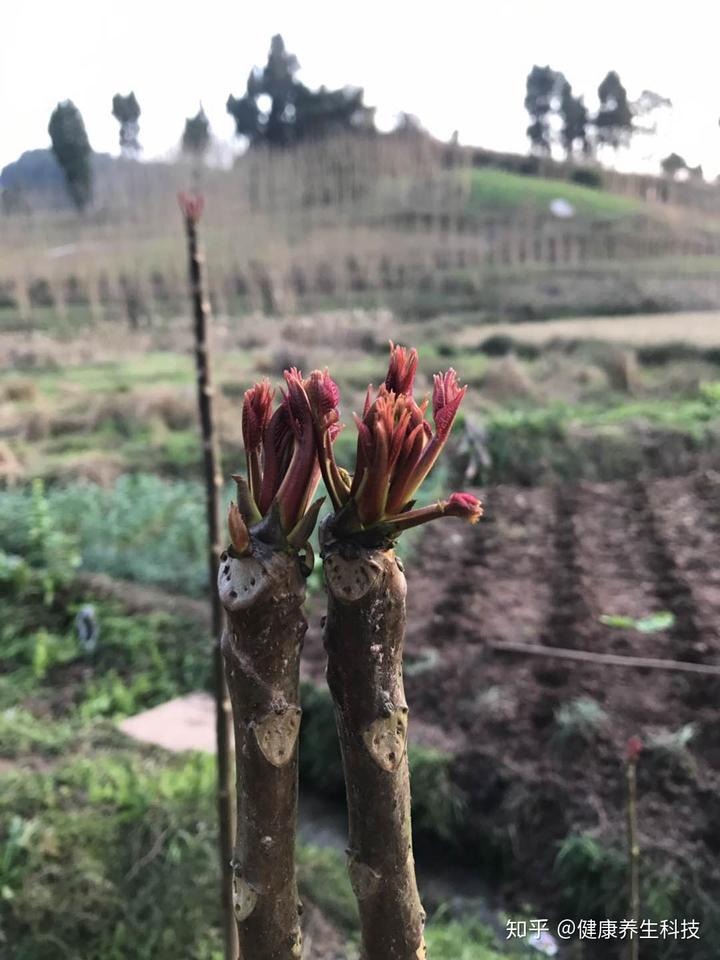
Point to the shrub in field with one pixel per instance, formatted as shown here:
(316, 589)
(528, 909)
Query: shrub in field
(712, 355)
(591, 876)
(49, 554)
(582, 718)
(507, 381)
(97, 852)
(142, 528)
(322, 874)
(136, 662)
(621, 369)
(497, 345)
(587, 177)
(320, 763)
(661, 354)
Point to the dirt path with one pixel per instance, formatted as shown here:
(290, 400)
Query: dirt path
(700, 328)
(138, 598)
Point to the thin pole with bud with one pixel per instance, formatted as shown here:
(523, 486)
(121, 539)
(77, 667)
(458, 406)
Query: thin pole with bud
(632, 753)
(191, 208)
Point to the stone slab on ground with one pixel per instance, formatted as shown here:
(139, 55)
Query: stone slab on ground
(186, 723)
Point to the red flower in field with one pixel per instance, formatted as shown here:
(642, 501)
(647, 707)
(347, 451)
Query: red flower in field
(633, 749)
(192, 206)
(396, 450)
(282, 464)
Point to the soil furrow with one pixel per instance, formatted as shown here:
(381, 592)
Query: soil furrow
(568, 612)
(682, 522)
(672, 589)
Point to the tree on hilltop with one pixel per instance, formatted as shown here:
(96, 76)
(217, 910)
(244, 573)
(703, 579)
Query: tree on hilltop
(278, 110)
(126, 111)
(614, 120)
(574, 115)
(72, 151)
(542, 89)
(673, 164)
(196, 135)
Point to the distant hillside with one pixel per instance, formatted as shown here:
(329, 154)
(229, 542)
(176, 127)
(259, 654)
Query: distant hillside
(35, 181)
(34, 170)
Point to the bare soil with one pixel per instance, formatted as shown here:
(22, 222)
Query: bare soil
(543, 566)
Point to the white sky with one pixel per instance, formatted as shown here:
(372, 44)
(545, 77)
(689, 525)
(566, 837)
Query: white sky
(457, 65)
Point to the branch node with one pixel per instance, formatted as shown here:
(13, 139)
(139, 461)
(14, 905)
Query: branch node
(351, 579)
(386, 740)
(244, 898)
(277, 734)
(363, 879)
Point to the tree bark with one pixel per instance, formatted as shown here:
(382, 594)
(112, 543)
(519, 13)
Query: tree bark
(263, 595)
(364, 636)
(213, 487)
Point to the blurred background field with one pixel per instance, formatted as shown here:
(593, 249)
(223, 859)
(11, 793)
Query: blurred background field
(582, 308)
(395, 219)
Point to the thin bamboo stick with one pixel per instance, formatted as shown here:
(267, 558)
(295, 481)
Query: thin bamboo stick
(607, 659)
(213, 482)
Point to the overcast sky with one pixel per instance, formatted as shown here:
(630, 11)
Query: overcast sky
(457, 65)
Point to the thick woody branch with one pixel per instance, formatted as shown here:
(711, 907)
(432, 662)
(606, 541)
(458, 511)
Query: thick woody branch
(262, 593)
(364, 636)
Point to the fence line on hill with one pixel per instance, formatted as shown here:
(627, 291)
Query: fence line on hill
(336, 222)
(280, 271)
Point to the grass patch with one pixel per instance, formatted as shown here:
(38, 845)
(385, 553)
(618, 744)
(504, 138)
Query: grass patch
(589, 441)
(322, 876)
(110, 856)
(120, 376)
(139, 661)
(467, 940)
(498, 190)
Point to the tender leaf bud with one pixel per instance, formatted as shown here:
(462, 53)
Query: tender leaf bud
(465, 506)
(239, 535)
